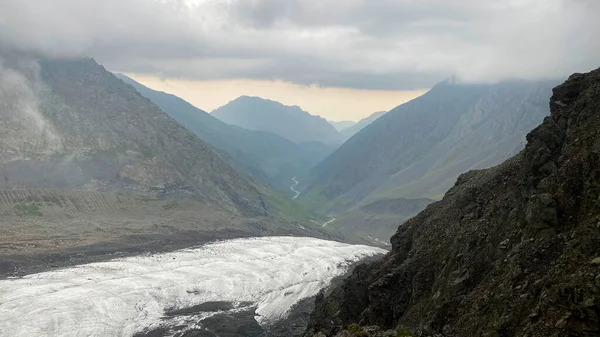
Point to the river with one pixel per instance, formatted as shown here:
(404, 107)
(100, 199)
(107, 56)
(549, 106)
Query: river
(293, 188)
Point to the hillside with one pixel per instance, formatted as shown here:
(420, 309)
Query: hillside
(350, 131)
(290, 122)
(509, 251)
(68, 123)
(418, 149)
(272, 159)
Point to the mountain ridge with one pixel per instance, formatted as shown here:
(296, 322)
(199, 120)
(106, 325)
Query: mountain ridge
(291, 122)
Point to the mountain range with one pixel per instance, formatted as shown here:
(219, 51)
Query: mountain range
(272, 159)
(290, 122)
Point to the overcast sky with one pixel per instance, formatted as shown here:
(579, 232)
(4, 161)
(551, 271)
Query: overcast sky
(350, 46)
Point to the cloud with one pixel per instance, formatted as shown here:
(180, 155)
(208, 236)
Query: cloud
(23, 125)
(373, 44)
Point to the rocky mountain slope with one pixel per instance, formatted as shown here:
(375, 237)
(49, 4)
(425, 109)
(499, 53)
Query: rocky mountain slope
(290, 122)
(509, 251)
(272, 159)
(68, 123)
(354, 129)
(418, 149)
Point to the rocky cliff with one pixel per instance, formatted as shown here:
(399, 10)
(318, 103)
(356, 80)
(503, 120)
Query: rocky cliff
(510, 251)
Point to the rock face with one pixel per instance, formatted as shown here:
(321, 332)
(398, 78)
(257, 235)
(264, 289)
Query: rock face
(509, 251)
(68, 123)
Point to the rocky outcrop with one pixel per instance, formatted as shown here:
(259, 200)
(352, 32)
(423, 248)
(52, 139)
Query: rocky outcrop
(510, 251)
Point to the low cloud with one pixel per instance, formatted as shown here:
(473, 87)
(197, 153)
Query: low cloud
(372, 44)
(23, 126)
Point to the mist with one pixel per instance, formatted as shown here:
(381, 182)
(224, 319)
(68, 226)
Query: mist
(23, 126)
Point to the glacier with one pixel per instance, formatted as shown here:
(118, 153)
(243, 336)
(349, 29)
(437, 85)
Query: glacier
(124, 296)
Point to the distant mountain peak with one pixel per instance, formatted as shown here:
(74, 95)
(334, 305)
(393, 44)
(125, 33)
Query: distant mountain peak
(291, 122)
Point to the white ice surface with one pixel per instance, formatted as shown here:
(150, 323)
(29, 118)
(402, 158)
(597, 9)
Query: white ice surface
(124, 296)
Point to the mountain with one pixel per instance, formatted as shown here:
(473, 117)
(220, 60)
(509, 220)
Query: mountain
(68, 123)
(341, 125)
(509, 251)
(418, 149)
(290, 122)
(354, 129)
(272, 159)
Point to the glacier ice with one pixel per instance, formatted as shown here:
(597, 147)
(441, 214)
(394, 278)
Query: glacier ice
(124, 296)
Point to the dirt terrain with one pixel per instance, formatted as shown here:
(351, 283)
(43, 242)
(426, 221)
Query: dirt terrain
(45, 229)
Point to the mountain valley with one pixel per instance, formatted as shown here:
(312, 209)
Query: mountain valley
(270, 158)
(93, 169)
(233, 168)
